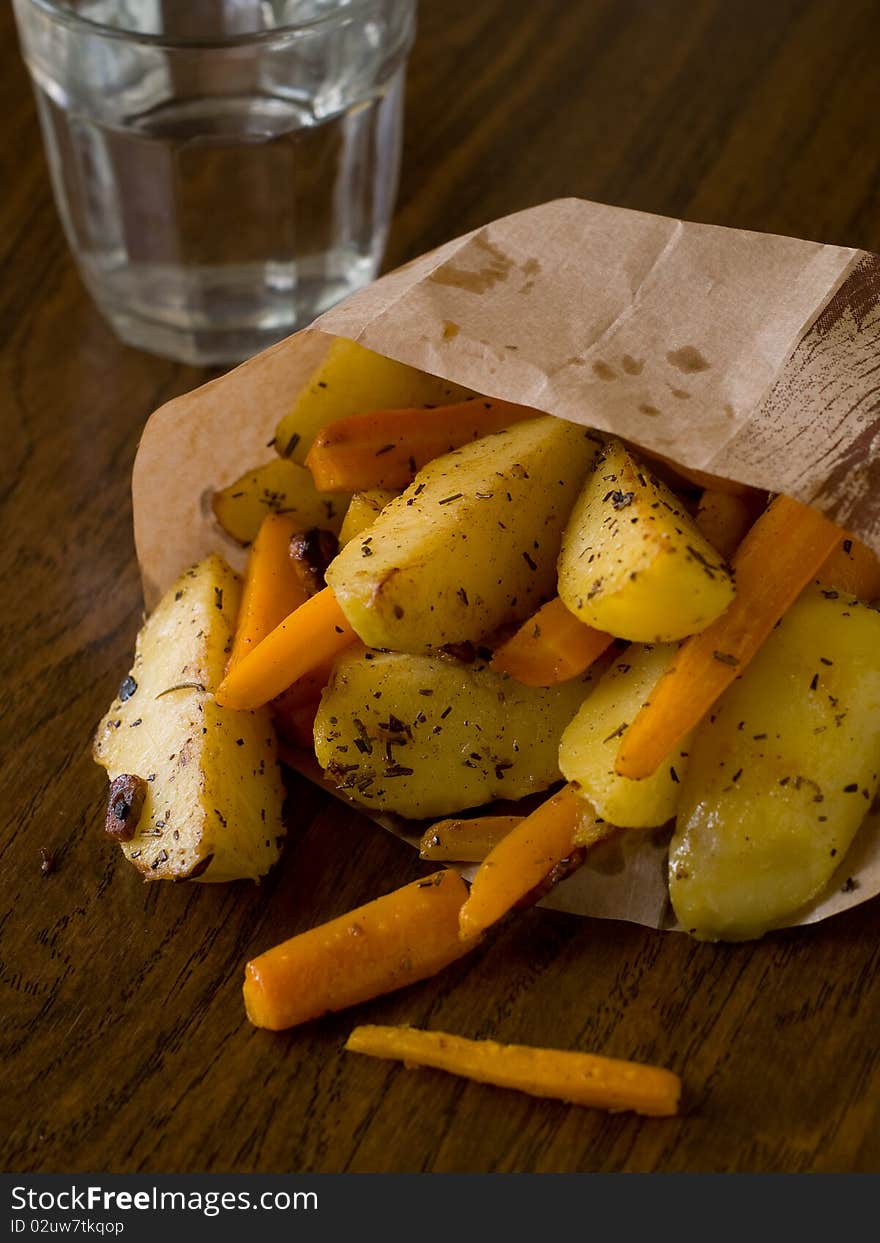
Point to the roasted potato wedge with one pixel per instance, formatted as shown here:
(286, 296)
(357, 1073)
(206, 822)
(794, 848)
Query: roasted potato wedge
(427, 735)
(633, 562)
(471, 544)
(363, 510)
(353, 380)
(781, 774)
(589, 745)
(213, 790)
(277, 487)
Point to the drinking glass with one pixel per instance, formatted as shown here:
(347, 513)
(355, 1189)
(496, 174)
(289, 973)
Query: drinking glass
(225, 170)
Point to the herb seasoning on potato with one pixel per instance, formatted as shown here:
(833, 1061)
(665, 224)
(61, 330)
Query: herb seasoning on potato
(209, 777)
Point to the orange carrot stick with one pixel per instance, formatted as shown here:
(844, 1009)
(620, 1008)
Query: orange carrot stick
(853, 568)
(271, 587)
(385, 448)
(395, 940)
(777, 559)
(523, 859)
(551, 647)
(312, 634)
(578, 1078)
(465, 841)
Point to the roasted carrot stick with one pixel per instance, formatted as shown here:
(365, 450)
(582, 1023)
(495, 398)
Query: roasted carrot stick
(853, 568)
(724, 519)
(465, 841)
(395, 940)
(578, 1078)
(307, 638)
(522, 859)
(777, 559)
(385, 448)
(271, 587)
(552, 646)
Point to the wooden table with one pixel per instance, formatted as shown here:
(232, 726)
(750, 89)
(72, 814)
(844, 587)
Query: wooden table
(124, 1044)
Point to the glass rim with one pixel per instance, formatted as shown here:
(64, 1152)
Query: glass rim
(76, 21)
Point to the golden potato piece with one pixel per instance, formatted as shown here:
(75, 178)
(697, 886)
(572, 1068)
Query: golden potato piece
(781, 774)
(277, 487)
(209, 777)
(589, 745)
(363, 510)
(633, 562)
(471, 544)
(353, 380)
(427, 735)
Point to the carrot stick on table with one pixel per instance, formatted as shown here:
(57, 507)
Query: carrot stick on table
(524, 858)
(782, 552)
(551, 647)
(392, 941)
(271, 587)
(853, 568)
(308, 637)
(385, 448)
(578, 1078)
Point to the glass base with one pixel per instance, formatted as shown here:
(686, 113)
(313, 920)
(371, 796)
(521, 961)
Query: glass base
(220, 347)
(222, 315)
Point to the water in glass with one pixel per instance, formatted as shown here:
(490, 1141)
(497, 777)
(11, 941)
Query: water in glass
(216, 202)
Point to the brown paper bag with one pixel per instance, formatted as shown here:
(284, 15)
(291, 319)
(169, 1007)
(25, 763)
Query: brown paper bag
(750, 356)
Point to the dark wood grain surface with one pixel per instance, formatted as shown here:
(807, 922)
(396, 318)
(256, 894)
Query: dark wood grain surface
(124, 1044)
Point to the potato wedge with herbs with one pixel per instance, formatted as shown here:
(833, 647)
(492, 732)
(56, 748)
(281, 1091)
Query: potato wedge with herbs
(209, 777)
(471, 544)
(782, 774)
(633, 562)
(353, 380)
(363, 510)
(589, 745)
(277, 487)
(427, 735)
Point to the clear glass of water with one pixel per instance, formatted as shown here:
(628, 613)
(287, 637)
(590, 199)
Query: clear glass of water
(225, 170)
